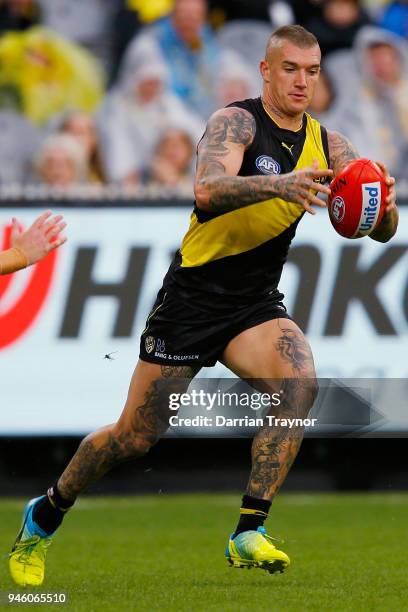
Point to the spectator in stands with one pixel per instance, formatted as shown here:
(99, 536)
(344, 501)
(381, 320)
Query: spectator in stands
(171, 165)
(304, 10)
(323, 102)
(135, 114)
(88, 23)
(60, 162)
(374, 8)
(338, 24)
(82, 126)
(190, 51)
(248, 39)
(395, 18)
(18, 15)
(45, 74)
(18, 143)
(374, 112)
(131, 15)
(225, 10)
(235, 80)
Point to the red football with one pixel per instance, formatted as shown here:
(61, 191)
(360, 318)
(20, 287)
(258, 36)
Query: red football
(357, 201)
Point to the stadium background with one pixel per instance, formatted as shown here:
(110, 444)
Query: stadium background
(87, 130)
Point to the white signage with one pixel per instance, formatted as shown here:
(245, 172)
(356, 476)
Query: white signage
(69, 327)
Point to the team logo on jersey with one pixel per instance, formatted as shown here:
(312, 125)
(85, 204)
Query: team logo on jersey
(267, 165)
(338, 207)
(149, 344)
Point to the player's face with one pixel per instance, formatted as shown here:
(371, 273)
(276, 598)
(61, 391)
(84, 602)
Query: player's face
(290, 75)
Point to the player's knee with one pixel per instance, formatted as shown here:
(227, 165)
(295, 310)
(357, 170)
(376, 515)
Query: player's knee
(299, 394)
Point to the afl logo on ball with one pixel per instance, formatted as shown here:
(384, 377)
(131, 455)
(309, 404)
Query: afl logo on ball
(267, 165)
(338, 209)
(149, 344)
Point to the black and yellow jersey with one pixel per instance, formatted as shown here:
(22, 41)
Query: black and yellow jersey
(241, 253)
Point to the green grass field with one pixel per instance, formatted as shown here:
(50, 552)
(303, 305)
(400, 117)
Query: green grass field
(165, 552)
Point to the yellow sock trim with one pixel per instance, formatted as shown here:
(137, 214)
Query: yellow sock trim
(251, 511)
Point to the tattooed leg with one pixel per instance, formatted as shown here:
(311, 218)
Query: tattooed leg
(144, 419)
(275, 447)
(275, 356)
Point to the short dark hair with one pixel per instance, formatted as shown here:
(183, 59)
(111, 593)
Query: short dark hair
(296, 34)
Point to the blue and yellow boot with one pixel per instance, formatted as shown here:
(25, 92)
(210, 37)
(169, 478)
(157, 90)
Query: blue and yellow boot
(255, 549)
(27, 558)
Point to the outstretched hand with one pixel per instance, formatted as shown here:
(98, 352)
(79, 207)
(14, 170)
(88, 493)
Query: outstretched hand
(42, 237)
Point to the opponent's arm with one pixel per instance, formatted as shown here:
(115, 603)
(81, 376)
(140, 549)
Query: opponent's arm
(230, 131)
(341, 152)
(28, 247)
(12, 260)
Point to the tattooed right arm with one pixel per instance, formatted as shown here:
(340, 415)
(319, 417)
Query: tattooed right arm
(230, 131)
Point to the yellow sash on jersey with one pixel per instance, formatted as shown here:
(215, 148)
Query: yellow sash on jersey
(246, 228)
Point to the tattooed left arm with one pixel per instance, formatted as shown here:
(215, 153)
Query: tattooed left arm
(341, 151)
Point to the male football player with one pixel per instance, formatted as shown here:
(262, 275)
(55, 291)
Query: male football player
(261, 164)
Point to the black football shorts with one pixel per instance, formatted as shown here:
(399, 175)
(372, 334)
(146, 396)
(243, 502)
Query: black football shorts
(191, 328)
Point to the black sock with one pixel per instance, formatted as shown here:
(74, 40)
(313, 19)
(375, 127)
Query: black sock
(49, 512)
(253, 512)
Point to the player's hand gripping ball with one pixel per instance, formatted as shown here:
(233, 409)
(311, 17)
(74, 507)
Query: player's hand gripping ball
(357, 201)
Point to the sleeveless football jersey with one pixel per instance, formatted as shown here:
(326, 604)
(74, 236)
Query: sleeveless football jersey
(241, 253)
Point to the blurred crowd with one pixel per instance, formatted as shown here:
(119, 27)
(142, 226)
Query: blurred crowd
(102, 93)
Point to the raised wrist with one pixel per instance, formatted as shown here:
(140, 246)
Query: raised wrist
(12, 260)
